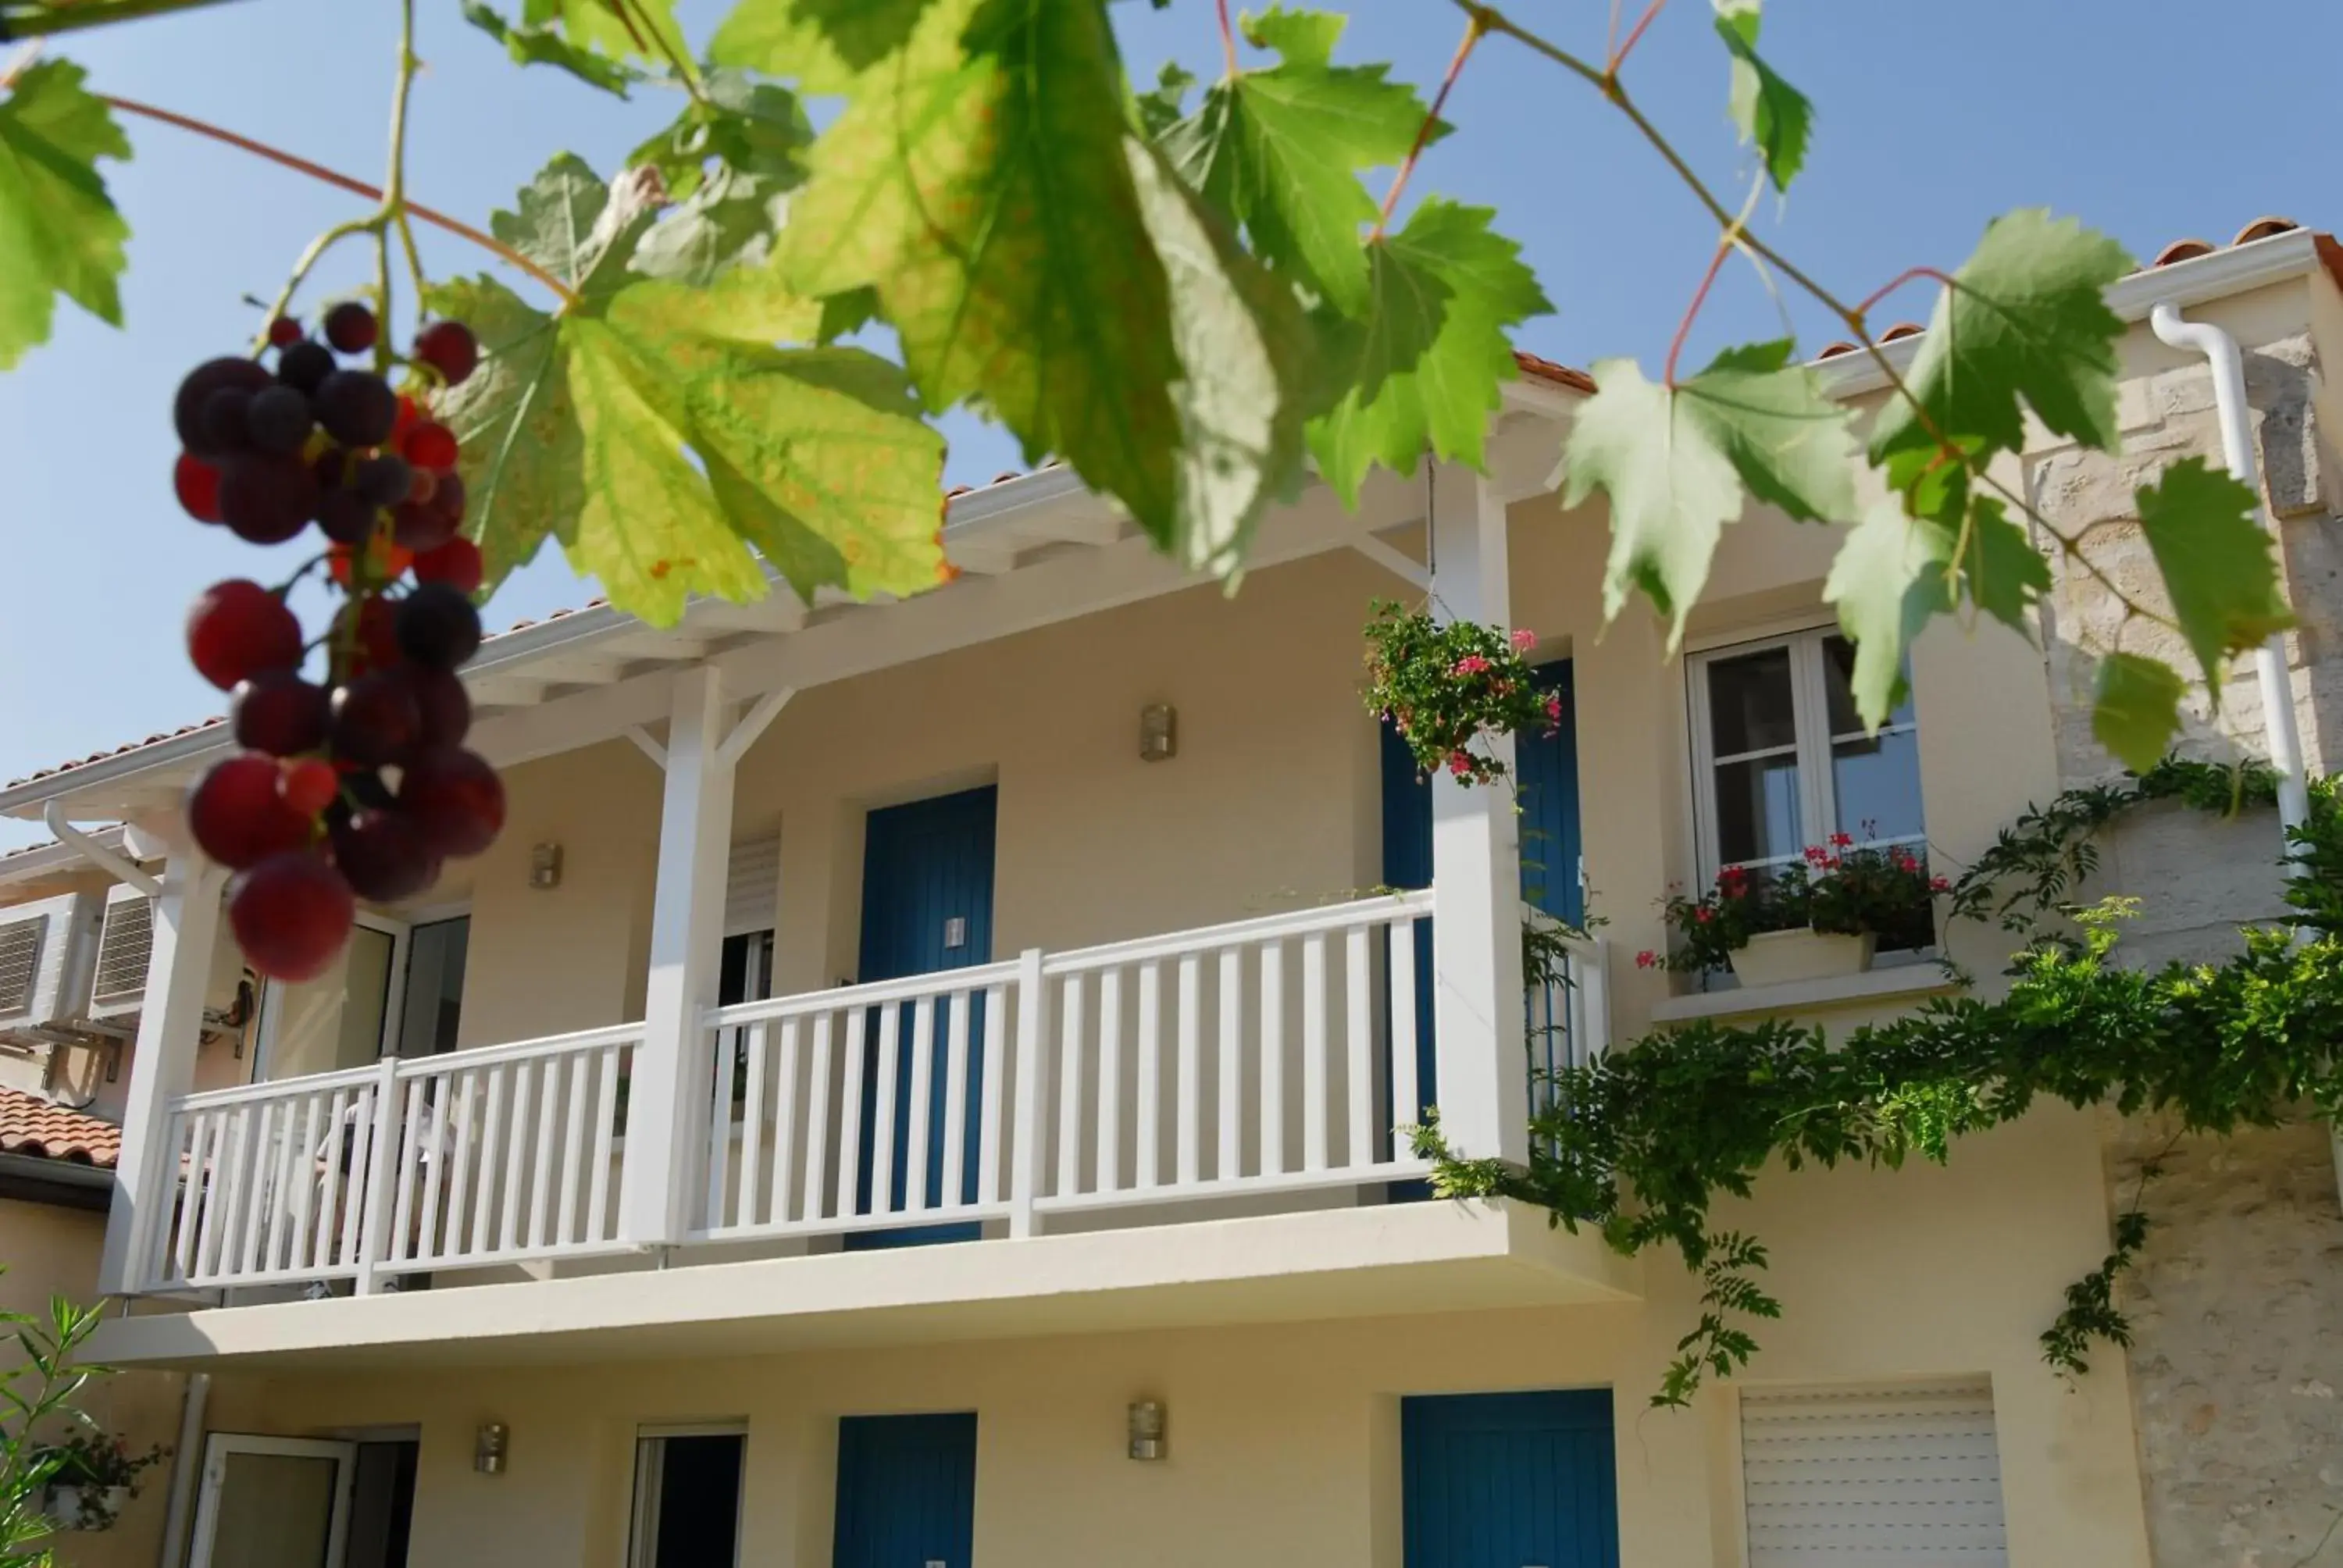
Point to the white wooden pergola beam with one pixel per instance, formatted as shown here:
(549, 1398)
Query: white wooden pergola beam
(647, 746)
(752, 724)
(779, 612)
(1392, 560)
(577, 669)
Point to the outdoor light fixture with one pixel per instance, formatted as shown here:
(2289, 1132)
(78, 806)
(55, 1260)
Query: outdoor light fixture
(1158, 732)
(488, 1446)
(1146, 1419)
(544, 866)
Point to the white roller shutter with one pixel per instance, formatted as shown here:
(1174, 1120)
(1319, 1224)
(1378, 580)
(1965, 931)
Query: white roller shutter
(752, 885)
(1897, 1476)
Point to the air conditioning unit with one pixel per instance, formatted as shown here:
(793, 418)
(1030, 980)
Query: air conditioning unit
(47, 954)
(118, 987)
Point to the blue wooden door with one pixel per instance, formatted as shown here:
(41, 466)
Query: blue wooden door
(906, 1492)
(1547, 769)
(1509, 1481)
(927, 905)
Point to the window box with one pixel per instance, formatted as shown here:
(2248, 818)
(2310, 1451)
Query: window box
(1787, 958)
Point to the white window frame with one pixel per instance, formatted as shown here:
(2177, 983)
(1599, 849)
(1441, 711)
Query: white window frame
(399, 928)
(650, 1449)
(1812, 744)
(219, 1445)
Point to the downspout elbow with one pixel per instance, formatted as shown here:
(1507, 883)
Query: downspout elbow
(121, 868)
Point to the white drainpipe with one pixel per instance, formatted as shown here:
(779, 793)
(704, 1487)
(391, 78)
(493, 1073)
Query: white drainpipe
(120, 867)
(2220, 352)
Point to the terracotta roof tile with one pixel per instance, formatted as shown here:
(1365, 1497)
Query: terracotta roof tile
(35, 1127)
(1547, 370)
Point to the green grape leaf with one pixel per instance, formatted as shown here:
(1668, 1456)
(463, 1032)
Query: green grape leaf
(822, 45)
(59, 230)
(2204, 530)
(1242, 423)
(1281, 150)
(1888, 580)
(975, 182)
(1302, 38)
(2001, 571)
(748, 127)
(1768, 112)
(1162, 107)
(1422, 366)
(542, 45)
(2025, 325)
(2137, 711)
(665, 434)
(1676, 465)
(728, 221)
(844, 315)
(640, 30)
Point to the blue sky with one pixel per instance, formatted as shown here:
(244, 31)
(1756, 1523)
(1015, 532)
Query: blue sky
(2147, 119)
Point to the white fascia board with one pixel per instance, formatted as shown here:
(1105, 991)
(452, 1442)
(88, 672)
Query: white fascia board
(46, 860)
(2240, 269)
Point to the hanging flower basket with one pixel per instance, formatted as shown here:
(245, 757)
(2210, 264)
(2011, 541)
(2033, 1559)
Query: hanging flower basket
(1448, 687)
(92, 1479)
(85, 1508)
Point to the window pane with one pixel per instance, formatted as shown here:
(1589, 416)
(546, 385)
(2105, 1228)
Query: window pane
(1750, 705)
(435, 987)
(366, 992)
(1757, 809)
(1838, 679)
(1878, 783)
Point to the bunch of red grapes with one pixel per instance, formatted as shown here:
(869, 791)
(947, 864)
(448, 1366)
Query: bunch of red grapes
(357, 785)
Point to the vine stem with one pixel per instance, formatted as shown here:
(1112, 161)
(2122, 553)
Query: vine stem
(630, 12)
(393, 195)
(1699, 298)
(1869, 302)
(1228, 38)
(1490, 19)
(1618, 57)
(441, 220)
(1475, 29)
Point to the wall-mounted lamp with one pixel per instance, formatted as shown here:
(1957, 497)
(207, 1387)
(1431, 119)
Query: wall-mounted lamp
(488, 1445)
(544, 866)
(1146, 1423)
(1158, 732)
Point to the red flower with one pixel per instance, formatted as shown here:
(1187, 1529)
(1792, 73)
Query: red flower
(1939, 885)
(1459, 764)
(1816, 855)
(1471, 664)
(1525, 639)
(1704, 914)
(1841, 840)
(1647, 959)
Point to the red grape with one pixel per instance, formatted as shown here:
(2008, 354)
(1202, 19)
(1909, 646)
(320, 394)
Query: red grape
(445, 707)
(430, 444)
(283, 332)
(456, 563)
(449, 496)
(267, 500)
(456, 799)
(308, 786)
(304, 365)
(409, 414)
(345, 517)
(237, 816)
(291, 914)
(210, 377)
(422, 526)
(449, 348)
(237, 629)
(196, 484)
(437, 626)
(356, 407)
(383, 856)
(278, 713)
(225, 419)
(375, 719)
(278, 419)
(350, 327)
(422, 484)
(384, 480)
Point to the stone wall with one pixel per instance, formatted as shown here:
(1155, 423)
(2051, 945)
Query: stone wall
(2237, 1301)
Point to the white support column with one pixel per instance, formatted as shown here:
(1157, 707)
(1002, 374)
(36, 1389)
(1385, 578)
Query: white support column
(162, 1066)
(667, 1103)
(1476, 877)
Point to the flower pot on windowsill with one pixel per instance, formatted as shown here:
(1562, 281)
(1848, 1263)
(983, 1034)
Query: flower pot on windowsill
(86, 1507)
(1786, 958)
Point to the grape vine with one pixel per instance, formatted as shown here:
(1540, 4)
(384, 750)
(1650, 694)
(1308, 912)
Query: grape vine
(1187, 292)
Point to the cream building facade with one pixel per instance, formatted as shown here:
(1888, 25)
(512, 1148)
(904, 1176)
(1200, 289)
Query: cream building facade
(860, 1094)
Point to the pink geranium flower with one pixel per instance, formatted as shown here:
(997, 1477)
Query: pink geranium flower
(1471, 664)
(1647, 959)
(1525, 639)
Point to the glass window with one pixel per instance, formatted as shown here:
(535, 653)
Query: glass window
(433, 1000)
(1784, 760)
(687, 1499)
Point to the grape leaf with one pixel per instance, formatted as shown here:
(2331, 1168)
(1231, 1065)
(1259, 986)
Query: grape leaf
(1281, 150)
(1302, 38)
(542, 45)
(822, 45)
(749, 126)
(59, 230)
(634, 30)
(973, 182)
(2026, 324)
(1422, 364)
(1242, 423)
(1162, 107)
(1888, 580)
(2000, 571)
(729, 221)
(1675, 464)
(660, 431)
(2204, 530)
(1769, 112)
(2137, 710)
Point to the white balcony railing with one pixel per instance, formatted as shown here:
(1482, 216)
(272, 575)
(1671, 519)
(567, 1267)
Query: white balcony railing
(1261, 1060)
